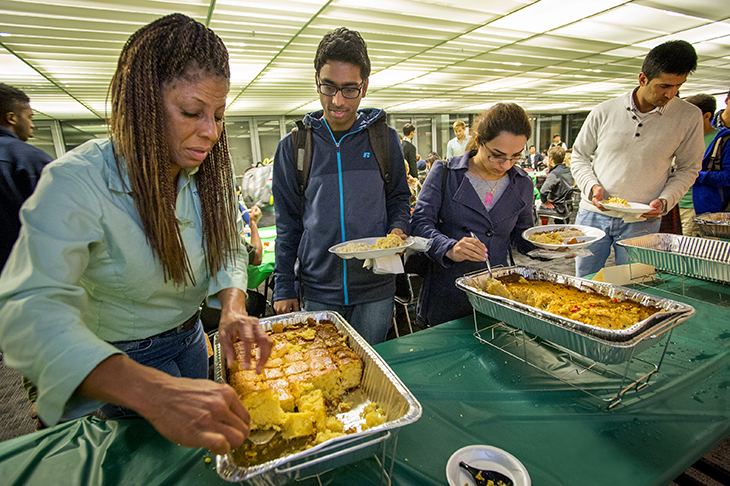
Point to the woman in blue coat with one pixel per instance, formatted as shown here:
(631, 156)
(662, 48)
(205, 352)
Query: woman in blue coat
(483, 193)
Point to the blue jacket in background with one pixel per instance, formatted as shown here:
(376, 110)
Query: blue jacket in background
(345, 199)
(711, 189)
(20, 168)
(449, 217)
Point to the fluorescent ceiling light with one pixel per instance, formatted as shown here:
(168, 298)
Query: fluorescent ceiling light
(589, 88)
(391, 76)
(421, 104)
(503, 83)
(699, 34)
(550, 14)
(244, 72)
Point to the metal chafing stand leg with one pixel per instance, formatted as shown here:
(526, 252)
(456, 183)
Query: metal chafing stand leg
(611, 402)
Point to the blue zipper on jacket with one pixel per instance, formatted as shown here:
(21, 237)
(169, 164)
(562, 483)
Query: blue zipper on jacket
(342, 202)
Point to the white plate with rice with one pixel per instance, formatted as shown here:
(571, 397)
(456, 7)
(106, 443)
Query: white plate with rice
(364, 248)
(632, 208)
(549, 236)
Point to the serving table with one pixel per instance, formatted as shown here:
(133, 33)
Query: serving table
(471, 393)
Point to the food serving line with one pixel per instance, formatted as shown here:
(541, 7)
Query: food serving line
(470, 394)
(456, 398)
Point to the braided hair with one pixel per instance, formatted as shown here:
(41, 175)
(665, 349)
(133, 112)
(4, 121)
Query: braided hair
(156, 54)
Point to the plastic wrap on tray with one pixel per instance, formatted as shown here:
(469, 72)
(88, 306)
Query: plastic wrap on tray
(379, 384)
(600, 344)
(701, 258)
(714, 224)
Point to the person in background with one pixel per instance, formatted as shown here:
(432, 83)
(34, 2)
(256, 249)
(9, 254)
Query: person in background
(123, 239)
(534, 159)
(457, 145)
(345, 198)
(20, 163)
(423, 168)
(711, 190)
(722, 117)
(474, 207)
(409, 150)
(707, 104)
(558, 143)
(558, 187)
(626, 147)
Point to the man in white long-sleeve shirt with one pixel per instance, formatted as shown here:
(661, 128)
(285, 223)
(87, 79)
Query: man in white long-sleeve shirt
(626, 148)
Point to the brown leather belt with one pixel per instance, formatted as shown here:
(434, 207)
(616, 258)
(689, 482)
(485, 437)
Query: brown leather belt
(185, 326)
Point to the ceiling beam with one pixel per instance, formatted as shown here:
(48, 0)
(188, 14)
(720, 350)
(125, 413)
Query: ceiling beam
(54, 83)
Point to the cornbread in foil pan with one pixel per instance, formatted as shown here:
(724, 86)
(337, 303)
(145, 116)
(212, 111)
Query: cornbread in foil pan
(610, 346)
(688, 256)
(379, 385)
(715, 225)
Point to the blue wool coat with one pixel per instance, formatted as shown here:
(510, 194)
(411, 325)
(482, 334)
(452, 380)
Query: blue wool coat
(448, 217)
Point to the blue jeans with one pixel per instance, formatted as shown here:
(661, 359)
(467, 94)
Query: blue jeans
(371, 320)
(182, 355)
(616, 230)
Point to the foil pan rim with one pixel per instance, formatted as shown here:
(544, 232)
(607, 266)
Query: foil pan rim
(616, 338)
(226, 467)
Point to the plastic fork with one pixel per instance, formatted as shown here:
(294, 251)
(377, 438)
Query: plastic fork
(483, 476)
(260, 437)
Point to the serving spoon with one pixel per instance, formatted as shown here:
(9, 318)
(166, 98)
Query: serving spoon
(483, 476)
(260, 437)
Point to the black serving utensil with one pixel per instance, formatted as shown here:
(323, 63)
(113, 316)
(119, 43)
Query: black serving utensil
(489, 267)
(483, 476)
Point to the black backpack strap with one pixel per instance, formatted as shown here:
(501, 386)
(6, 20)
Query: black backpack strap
(714, 158)
(380, 141)
(444, 176)
(301, 137)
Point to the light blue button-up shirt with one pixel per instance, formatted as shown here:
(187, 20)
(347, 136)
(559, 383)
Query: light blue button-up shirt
(82, 273)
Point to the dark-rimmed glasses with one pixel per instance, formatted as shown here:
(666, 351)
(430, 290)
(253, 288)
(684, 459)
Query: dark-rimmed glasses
(501, 159)
(348, 92)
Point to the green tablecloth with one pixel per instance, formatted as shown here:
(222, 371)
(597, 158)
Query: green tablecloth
(471, 393)
(259, 273)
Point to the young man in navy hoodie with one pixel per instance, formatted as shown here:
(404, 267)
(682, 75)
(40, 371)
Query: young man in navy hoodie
(345, 197)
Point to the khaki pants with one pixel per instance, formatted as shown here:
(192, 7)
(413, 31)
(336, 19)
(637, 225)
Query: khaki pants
(689, 227)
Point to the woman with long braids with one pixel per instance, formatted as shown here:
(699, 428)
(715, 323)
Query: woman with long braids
(474, 207)
(122, 241)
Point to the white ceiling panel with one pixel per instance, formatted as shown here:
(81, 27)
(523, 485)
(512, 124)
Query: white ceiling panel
(427, 55)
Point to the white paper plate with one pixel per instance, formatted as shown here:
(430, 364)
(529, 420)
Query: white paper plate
(634, 208)
(591, 235)
(364, 255)
(485, 457)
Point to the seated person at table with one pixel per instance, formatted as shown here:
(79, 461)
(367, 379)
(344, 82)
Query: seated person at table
(557, 190)
(473, 207)
(121, 242)
(254, 246)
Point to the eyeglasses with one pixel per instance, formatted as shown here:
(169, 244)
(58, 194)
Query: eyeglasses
(347, 92)
(502, 159)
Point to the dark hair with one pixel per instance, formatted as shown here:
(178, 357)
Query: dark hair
(673, 57)
(557, 153)
(10, 98)
(502, 117)
(705, 102)
(531, 146)
(408, 128)
(171, 48)
(343, 45)
(556, 135)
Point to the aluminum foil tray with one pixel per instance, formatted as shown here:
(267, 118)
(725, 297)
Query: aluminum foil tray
(602, 345)
(684, 255)
(379, 384)
(714, 224)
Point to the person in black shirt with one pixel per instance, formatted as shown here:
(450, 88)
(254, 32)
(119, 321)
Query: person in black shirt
(20, 163)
